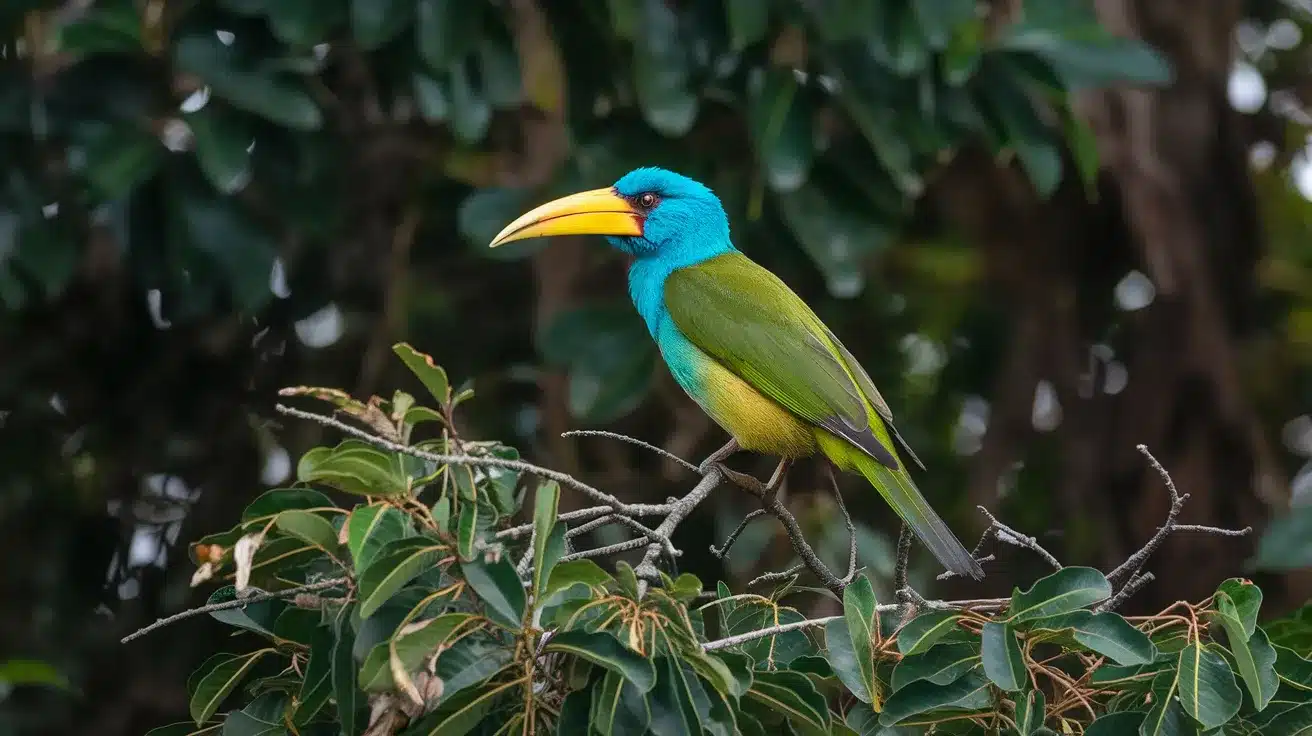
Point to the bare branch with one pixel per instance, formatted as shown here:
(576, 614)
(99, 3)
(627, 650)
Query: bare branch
(1129, 589)
(733, 641)
(851, 528)
(633, 441)
(1129, 569)
(720, 552)
(609, 549)
(774, 577)
(646, 570)
(1004, 533)
(591, 513)
(237, 603)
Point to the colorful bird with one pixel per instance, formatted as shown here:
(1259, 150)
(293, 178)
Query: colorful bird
(746, 348)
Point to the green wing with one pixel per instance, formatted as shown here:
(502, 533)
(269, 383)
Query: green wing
(745, 317)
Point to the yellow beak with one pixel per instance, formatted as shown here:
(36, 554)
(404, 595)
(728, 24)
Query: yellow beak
(594, 212)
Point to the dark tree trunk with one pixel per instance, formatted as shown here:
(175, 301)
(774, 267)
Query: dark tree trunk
(1175, 202)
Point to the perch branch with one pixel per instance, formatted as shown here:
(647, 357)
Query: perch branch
(633, 441)
(646, 570)
(237, 603)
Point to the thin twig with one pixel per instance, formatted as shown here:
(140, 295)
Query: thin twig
(720, 552)
(237, 603)
(646, 570)
(633, 441)
(592, 512)
(1129, 569)
(900, 571)
(851, 528)
(809, 558)
(1127, 590)
(774, 577)
(1004, 533)
(609, 549)
(733, 641)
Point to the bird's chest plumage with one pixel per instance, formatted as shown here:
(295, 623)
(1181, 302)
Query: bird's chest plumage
(758, 423)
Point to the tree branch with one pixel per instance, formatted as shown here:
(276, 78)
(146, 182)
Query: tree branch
(633, 441)
(237, 603)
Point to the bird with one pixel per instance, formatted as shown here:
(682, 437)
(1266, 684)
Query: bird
(742, 344)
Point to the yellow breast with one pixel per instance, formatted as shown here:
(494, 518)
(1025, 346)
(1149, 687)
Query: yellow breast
(758, 422)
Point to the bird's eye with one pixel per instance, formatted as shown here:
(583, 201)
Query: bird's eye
(647, 200)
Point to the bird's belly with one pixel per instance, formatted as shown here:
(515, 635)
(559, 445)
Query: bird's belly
(758, 422)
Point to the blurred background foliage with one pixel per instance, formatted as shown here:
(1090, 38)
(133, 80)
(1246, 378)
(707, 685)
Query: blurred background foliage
(1050, 230)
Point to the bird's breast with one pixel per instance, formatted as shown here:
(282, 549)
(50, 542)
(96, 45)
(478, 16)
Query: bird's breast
(758, 423)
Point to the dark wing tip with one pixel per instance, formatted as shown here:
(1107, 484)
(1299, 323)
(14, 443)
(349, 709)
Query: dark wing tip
(865, 439)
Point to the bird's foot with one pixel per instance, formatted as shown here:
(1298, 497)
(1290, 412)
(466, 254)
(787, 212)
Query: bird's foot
(765, 491)
(718, 457)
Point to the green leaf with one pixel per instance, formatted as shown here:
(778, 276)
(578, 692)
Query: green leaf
(317, 686)
(215, 679)
(610, 356)
(308, 527)
(1116, 724)
(357, 468)
(1167, 716)
(428, 372)
(1296, 721)
(605, 650)
(462, 714)
(842, 657)
(969, 692)
(925, 630)
(1105, 633)
(467, 529)
(305, 23)
(660, 69)
(940, 665)
(1030, 711)
(781, 128)
(270, 503)
(482, 215)
(470, 111)
(264, 93)
(1004, 662)
(396, 564)
(1293, 631)
(793, 695)
(749, 20)
(673, 711)
(376, 22)
(186, 728)
(212, 225)
(1243, 601)
(938, 19)
(499, 588)
(470, 662)
(222, 141)
(241, 723)
(370, 528)
(1093, 62)
(103, 30)
(546, 502)
(345, 689)
(258, 617)
(15, 672)
(447, 30)
(119, 158)
(412, 645)
(835, 233)
(1255, 658)
(1293, 668)
(1068, 589)
(1208, 691)
(618, 707)
(863, 626)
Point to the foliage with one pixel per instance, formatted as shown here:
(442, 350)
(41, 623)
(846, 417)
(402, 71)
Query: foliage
(443, 617)
(203, 139)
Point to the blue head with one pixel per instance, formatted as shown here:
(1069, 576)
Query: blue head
(649, 213)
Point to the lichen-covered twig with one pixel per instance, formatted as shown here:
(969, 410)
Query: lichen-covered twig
(241, 602)
(633, 441)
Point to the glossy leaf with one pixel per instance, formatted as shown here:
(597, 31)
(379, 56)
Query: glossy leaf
(794, 696)
(223, 143)
(428, 372)
(376, 22)
(411, 647)
(1105, 633)
(1068, 589)
(545, 506)
(1003, 660)
(345, 688)
(396, 564)
(1030, 707)
(925, 630)
(781, 128)
(446, 31)
(1255, 658)
(498, 586)
(258, 617)
(969, 692)
(265, 93)
(370, 528)
(863, 628)
(1115, 724)
(606, 651)
(940, 665)
(271, 503)
(1242, 602)
(317, 686)
(618, 707)
(309, 527)
(1293, 668)
(214, 680)
(844, 660)
(1208, 692)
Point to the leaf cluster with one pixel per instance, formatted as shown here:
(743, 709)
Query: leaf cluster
(436, 629)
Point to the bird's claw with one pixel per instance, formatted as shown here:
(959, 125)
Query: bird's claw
(745, 481)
